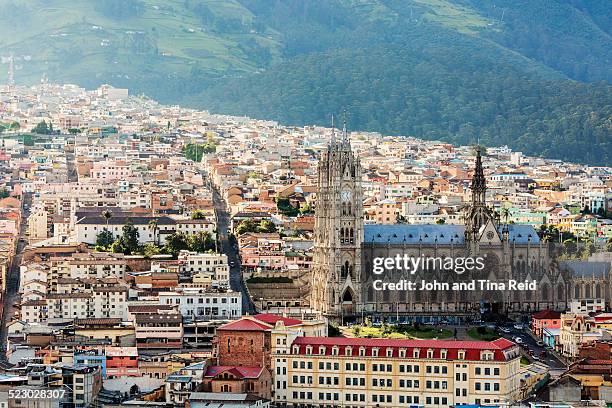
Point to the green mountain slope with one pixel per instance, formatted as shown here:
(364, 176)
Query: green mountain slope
(445, 95)
(504, 71)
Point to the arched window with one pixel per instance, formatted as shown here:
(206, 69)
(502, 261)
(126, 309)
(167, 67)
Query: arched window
(576, 292)
(587, 291)
(545, 291)
(370, 293)
(560, 292)
(598, 290)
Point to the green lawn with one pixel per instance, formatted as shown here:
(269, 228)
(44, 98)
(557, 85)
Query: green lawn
(401, 332)
(483, 333)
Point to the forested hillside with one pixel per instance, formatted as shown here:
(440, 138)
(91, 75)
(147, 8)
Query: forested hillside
(534, 74)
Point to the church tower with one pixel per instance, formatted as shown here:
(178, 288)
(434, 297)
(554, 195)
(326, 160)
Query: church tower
(336, 274)
(480, 221)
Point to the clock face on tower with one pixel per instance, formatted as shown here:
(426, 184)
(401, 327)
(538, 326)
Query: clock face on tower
(345, 195)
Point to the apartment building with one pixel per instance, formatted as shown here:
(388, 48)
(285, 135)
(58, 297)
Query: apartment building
(390, 373)
(212, 265)
(198, 303)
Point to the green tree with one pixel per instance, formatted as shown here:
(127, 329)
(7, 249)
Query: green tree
(588, 250)
(105, 238)
(284, 206)
(154, 227)
(4, 193)
(149, 249)
(130, 238)
(306, 209)
(200, 242)
(245, 226)
(43, 129)
(118, 247)
(198, 215)
(266, 226)
(175, 243)
(440, 221)
(107, 215)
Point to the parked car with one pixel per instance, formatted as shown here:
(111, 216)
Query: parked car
(518, 326)
(518, 340)
(540, 343)
(543, 353)
(504, 330)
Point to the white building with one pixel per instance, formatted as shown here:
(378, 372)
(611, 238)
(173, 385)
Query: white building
(213, 265)
(203, 304)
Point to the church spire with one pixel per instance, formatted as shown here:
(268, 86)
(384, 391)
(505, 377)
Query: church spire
(333, 135)
(479, 184)
(344, 133)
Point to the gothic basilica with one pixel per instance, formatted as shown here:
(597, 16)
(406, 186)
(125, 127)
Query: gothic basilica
(343, 282)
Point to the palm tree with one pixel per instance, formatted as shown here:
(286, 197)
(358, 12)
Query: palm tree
(153, 225)
(107, 215)
(506, 214)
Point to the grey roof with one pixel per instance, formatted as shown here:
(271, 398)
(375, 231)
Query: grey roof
(122, 220)
(522, 234)
(414, 233)
(443, 234)
(586, 268)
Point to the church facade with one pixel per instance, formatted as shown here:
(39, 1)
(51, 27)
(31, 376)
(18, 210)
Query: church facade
(345, 250)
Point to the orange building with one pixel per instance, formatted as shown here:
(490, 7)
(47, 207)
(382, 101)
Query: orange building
(545, 319)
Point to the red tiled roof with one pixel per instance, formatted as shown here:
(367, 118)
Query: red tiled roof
(546, 314)
(272, 319)
(237, 371)
(245, 324)
(472, 348)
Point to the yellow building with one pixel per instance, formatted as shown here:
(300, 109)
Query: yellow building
(390, 373)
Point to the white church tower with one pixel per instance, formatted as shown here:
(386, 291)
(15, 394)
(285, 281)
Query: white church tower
(336, 275)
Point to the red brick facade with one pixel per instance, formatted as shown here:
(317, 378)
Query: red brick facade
(244, 348)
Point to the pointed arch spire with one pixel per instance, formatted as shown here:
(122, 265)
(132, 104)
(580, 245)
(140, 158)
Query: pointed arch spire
(479, 184)
(333, 134)
(344, 132)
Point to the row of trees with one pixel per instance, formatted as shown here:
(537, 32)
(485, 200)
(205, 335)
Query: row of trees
(195, 151)
(251, 226)
(128, 242)
(286, 208)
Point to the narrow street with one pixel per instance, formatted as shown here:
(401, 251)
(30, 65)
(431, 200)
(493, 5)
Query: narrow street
(10, 296)
(226, 247)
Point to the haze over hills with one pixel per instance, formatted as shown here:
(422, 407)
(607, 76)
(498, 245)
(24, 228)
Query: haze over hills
(531, 74)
